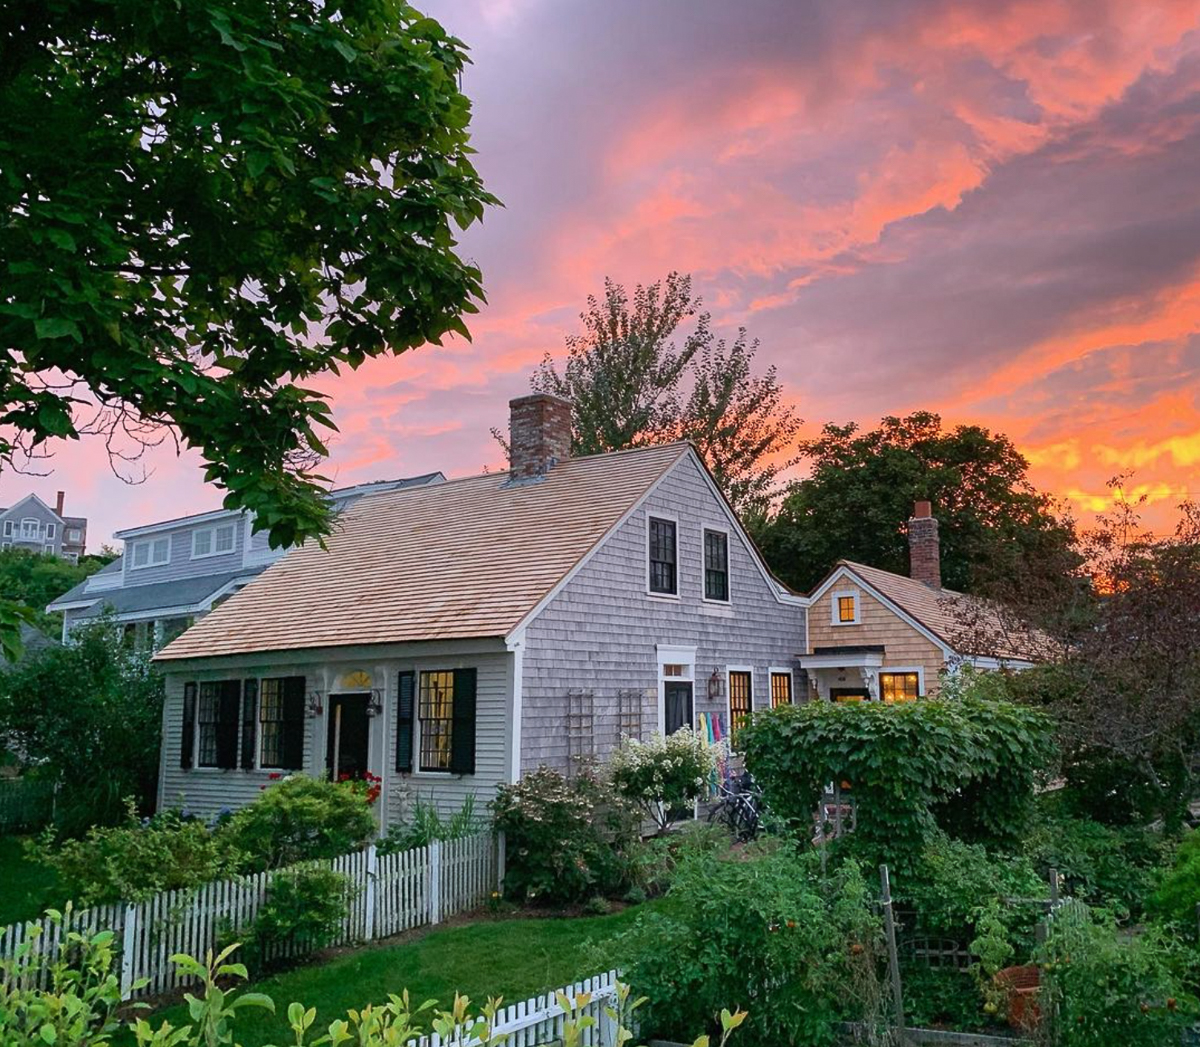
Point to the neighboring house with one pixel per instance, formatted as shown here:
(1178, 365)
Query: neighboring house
(175, 572)
(453, 636)
(876, 635)
(32, 525)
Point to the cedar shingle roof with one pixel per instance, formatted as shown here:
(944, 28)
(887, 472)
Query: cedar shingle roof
(462, 559)
(968, 624)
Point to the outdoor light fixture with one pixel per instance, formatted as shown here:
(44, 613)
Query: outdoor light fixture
(375, 704)
(716, 685)
(315, 706)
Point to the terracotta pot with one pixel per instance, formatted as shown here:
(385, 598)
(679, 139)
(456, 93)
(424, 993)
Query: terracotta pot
(1022, 985)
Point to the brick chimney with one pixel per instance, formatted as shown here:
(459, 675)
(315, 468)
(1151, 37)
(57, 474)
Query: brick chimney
(924, 548)
(58, 505)
(539, 435)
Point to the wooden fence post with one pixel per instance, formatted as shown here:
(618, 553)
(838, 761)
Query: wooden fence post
(128, 944)
(369, 899)
(1054, 889)
(435, 882)
(889, 921)
(501, 859)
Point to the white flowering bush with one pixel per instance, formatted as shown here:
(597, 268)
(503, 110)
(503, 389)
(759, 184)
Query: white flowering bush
(664, 773)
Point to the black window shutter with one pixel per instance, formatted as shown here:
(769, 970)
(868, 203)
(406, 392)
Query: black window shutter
(462, 738)
(405, 698)
(227, 723)
(293, 723)
(249, 723)
(187, 742)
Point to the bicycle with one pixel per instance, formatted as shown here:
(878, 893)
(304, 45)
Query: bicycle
(739, 807)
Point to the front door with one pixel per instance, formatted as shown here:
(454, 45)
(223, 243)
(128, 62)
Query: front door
(677, 701)
(849, 694)
(349, 731)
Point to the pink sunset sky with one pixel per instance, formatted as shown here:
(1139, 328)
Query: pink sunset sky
(991, 210)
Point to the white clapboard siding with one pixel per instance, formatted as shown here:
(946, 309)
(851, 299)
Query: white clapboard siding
(540, 1020)
(389, 894)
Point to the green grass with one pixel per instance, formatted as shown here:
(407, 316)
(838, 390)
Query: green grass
(513, 958)
(26, 887)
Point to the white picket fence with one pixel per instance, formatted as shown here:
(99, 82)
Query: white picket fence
(391, 893)
(540, 1020)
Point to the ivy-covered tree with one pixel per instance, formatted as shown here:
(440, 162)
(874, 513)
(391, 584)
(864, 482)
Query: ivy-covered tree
(631, 384)
(856, 501)
(209, 204)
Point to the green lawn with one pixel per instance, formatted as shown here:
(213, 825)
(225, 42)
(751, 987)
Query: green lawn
(26, 887)
(513, 958)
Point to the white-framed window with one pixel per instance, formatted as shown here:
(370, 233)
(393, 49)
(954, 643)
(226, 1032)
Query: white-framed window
(8, 528)
(150, 552)
(213, 541)
(783, 687)
(716, 565)
(844, 608)
(50, 529)
(31, 528)
(662, 556)
(901, 683)
(73, 534)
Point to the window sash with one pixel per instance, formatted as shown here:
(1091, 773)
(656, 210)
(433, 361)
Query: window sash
(270, 723)
(846, 608)
(741, 699)
(31, 529)
(435, 720)
(899, 687)
(223, 539)
(663, 557)
(781, 689)
(716, 566)
(208, 717)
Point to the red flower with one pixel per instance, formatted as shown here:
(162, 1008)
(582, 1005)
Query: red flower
(275, 775)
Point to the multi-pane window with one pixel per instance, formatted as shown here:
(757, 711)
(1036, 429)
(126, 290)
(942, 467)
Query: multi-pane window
(781, 689)
(270, 723)
(435, 716)
(152, 552)
(740, 699)
(31, 529)
(899, 687)
(716, 565)
(663, 557)
(847, 609)
(208, 719)
(210, 541)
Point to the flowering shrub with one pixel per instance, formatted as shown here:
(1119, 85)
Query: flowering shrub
(368, 786)
(566, 839)
(664, 774)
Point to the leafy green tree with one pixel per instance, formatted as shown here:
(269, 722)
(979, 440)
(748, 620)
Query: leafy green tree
(209, 204)
(861, 489)
(88, 715)
(34, 579)
(631, 384)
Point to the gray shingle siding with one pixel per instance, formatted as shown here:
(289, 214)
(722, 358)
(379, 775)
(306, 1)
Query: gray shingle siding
(207, 790)
(600, 632)
(181, 564)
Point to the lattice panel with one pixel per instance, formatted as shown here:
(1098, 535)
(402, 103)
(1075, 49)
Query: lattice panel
(581, 728)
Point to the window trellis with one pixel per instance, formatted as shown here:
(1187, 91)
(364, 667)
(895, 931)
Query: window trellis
(581, 727)
(629, 713)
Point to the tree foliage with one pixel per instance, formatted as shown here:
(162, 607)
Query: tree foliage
(855, 503)
(206, 206)
(89, 716)
(967, 766)
(631, 384)
(34, 579)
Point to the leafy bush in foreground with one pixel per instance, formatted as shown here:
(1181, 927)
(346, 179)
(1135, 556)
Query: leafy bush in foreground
(759, 930)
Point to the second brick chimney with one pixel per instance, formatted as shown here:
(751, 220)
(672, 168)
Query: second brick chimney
(924, 547)
(539, 435)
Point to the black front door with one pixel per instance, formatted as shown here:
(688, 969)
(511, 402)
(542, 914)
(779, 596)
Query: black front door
(677, 699)
(346, 743)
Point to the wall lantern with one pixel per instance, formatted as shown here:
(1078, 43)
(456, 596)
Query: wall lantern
(315, 706)
(375, 703)
(716, 685)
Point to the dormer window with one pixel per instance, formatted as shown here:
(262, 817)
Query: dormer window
(212, 541)
(664, 578)
(152, 552)
(845, 608)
